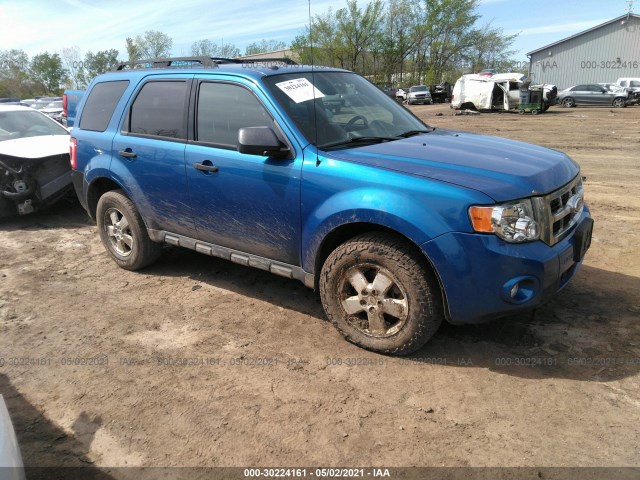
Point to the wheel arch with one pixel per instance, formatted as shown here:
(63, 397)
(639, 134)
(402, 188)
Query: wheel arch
(98, 187)
(345, 232)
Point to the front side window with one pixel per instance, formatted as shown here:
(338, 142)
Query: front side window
(159, 110)
(225, 108)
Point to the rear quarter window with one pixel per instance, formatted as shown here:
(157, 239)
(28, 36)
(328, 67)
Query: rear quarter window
(100, 104)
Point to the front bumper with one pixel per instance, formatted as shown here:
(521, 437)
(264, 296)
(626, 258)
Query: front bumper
(478, 272)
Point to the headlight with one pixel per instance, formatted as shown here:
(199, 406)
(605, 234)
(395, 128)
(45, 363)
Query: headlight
(512, 222)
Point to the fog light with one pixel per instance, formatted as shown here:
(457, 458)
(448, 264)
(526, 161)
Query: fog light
(520, 290)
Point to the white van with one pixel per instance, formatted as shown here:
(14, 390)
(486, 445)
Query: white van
(495, 92)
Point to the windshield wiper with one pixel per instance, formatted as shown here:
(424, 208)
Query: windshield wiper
(357, 140)
(412, 133)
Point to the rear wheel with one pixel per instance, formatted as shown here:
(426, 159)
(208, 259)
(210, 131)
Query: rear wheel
(123, 233)
(380, 294)
(619, 102)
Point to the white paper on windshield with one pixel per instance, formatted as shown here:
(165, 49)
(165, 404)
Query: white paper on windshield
(300, 90)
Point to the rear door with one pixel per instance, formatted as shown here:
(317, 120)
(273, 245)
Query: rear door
(600, 95)
(148, 153)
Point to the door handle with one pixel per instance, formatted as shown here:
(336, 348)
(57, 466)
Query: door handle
(205, 166)
(127, 153)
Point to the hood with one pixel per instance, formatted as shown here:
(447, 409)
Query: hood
(35, 147)
(503, 169)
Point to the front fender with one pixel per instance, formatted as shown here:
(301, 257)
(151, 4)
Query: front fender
(409, 215)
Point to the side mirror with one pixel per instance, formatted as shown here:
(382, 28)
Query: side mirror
(261, 141)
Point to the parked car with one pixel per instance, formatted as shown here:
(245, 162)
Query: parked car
(11, 466)
(591, 94)
(391, 92)
(34, 160)
(42, 102)
(419, 94)
(399, 225)
(401, 94)
(70, 101)
(53, 110)
(632, 86)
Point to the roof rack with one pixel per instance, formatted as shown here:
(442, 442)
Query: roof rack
(173, 62)
(197, 62)
(270, 60)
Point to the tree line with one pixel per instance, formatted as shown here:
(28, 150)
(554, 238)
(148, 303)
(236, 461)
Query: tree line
(51, 73)
(393, 42)
(399, 42)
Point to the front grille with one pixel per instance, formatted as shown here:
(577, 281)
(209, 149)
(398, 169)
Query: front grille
(559, 211)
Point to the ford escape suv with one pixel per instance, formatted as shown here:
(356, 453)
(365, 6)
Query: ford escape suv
(397, 224)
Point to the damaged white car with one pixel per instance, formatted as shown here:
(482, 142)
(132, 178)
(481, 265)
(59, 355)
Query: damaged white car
(34, 160)
(497, 92)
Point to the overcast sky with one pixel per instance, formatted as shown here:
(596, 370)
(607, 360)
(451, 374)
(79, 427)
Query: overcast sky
(36, 26)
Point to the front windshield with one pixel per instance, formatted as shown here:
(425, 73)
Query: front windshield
(349, 110)
(24, 123)
(420, 88)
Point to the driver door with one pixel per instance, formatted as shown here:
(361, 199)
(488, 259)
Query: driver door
(250, 203)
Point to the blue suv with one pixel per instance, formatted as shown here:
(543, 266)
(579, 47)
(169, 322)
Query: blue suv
(398, 225)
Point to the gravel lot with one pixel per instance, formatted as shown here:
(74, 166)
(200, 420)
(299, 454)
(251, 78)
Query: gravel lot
(199, 362)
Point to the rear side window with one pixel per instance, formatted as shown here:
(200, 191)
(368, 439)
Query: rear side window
(100, 105)
(634, 83)
(159, 110)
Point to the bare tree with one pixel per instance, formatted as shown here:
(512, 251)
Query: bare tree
(154, 44)
(72, 61)
(208, 48)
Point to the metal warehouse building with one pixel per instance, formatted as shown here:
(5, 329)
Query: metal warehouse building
(601, 54)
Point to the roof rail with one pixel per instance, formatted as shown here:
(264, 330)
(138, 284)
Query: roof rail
(271, 60)
(173, 62)
(197, 62)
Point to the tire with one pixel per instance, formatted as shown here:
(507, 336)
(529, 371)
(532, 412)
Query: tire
(568, 102)
(619, 102)
(123, 233)
(376, 277)
(534, 112)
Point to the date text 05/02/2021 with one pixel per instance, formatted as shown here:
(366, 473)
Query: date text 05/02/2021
(316, 472)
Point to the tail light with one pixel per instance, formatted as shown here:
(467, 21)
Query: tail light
(73, 148)
(64, 105)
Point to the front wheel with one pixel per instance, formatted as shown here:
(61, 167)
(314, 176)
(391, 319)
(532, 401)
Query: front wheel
(123, 233)
(568, 102)
(380, 294)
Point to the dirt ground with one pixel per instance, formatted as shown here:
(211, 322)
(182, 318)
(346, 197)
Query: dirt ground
(200, 362)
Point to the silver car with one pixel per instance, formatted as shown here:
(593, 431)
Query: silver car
(419, 94)
(591, 94)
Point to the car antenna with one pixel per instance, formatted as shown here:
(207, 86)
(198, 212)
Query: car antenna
(313, 82)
